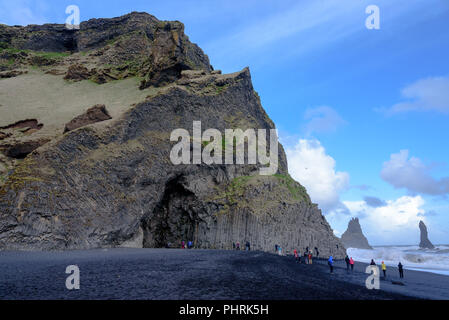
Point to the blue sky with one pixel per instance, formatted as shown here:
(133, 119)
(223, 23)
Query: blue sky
(363, 114)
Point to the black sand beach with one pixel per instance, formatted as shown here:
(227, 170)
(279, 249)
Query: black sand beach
(166, 274)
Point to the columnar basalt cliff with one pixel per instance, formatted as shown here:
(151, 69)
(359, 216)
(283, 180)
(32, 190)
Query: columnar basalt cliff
(102, 177)
(425, 242)
(353, 236)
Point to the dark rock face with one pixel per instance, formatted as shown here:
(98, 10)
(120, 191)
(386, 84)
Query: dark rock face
(353, 236)
(425, 242)
(94, 114)
(112, 183)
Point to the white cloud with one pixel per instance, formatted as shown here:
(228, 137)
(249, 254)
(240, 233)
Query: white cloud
(322, 120)
(394, 223)
(413, 175)
(430, 94)
(315, 170)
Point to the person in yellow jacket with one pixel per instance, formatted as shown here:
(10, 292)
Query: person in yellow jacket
(384, 269)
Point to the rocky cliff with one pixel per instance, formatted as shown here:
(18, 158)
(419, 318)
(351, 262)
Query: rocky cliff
(353, 236)
(84, 159)
(425, 242)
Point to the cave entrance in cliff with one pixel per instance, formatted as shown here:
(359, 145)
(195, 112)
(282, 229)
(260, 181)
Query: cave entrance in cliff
(174, 218)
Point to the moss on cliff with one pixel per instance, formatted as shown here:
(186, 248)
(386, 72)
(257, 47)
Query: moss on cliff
(22, 175)
(270, 190)
(297, 191)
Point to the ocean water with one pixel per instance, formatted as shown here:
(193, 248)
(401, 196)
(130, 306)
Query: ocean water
(412, 257)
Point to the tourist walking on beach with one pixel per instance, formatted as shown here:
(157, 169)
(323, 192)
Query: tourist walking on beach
(384, 269)
(276, 248)
(280, 250)
(183, 244)
(401, 270)
(306, 257)
(310, 257)
(247, 246)
(351, 262)
(330, 262)
(347, 263)
(295, 253)
(317, 252)
(237, 246)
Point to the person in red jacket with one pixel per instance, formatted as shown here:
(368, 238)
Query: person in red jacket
(351, 263)
(310, 257)
(295, 252)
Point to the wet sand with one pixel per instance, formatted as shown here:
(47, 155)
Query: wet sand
(166, 274)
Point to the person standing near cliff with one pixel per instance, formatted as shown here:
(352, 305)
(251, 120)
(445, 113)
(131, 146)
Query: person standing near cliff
(317, 252)
(347, 263)
(351, 262)
(310, 257)
(295, 253)
(401, 270)
(384, 269)
(330, 262)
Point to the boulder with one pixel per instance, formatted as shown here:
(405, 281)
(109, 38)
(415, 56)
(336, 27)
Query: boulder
(94, 114)
(77, 72)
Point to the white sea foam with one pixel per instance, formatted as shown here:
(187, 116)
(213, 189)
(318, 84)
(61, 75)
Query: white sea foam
(412, 257)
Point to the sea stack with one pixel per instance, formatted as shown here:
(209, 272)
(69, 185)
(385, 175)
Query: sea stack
(353, 236)
(425, 242)
(96, 172)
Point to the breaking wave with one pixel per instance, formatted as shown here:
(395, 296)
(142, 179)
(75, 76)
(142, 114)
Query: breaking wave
(412, 257)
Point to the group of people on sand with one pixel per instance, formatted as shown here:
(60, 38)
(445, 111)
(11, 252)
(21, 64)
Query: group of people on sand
(350, 266)
(189, 245)
(184, 245)
(308, 255)
(236, 246)
(384, 268)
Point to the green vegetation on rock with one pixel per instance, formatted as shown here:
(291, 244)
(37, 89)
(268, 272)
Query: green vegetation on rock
(297, 190)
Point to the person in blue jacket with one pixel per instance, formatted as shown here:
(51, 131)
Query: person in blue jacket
(330, 262)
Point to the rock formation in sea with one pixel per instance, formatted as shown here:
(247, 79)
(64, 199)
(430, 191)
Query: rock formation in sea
(86, 118)
(425, 242)
(353, 236)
